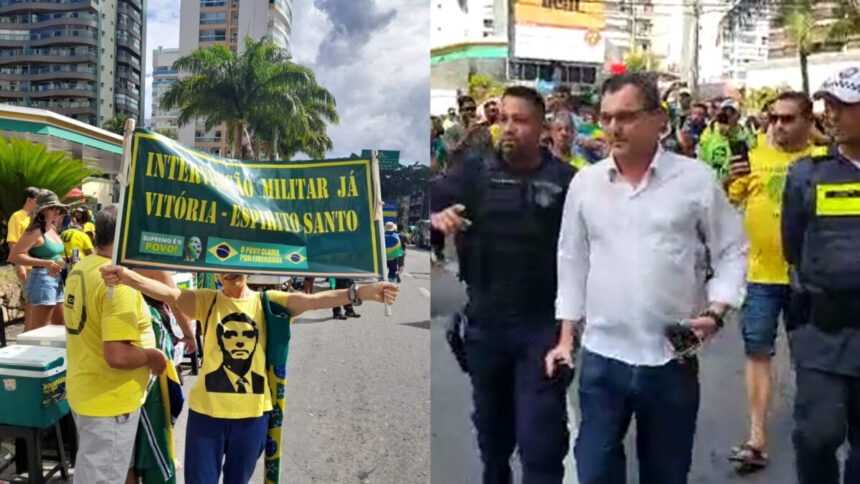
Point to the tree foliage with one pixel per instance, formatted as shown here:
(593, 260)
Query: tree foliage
(809, 31)
(26, 164)
(755, 100)
(170, 133)
(404, 181)
(259, 94)
(640, 60)
(117, 124)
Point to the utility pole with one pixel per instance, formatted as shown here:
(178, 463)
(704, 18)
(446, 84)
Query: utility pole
(697, 15)
(633, 27)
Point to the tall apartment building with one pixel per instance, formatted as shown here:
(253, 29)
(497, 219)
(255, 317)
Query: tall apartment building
(163, 76)
(204, 23)
(455, 22)
(79, 58)
(629, 26)
(743, 46)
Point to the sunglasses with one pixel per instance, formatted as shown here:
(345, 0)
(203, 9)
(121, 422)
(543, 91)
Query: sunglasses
(783, 118)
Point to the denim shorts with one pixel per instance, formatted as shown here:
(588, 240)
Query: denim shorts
(42, 289)
(760, 316)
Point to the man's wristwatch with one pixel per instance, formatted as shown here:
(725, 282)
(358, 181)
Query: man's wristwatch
(717, 317)
(353, 295)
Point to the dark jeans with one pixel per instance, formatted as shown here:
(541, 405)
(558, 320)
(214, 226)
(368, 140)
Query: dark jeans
(234, 443)
(516, 404)
(665, 400)
(826, 411)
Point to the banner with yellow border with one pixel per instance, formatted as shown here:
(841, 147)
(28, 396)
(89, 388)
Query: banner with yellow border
(189, 211)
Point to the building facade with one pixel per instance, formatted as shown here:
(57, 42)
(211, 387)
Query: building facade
(163, 76)
(204, 23)
(79, 58)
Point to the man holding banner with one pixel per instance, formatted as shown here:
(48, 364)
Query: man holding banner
(230, 404)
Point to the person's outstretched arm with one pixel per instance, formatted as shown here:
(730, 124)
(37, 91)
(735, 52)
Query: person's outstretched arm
(382, 292)
(178, 298)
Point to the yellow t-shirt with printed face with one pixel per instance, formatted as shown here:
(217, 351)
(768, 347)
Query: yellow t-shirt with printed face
(93, 388)
(232, 382)
(760, 194)
(75, 239)
(18, 223)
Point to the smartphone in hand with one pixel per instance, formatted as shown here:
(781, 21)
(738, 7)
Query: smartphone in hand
(682, 338)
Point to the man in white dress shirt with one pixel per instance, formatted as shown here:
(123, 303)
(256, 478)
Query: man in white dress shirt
(631, 261)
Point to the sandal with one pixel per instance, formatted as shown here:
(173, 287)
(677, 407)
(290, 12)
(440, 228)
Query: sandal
(748, 459)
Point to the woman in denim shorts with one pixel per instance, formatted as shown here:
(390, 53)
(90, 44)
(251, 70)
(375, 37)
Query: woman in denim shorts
(42, 248)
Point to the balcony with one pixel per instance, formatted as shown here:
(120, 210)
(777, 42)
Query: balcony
(9, 6)
(136, 3)
(129, 59)
(129, 43)
(48, 73)
(65, 108)
(76, 19)
(133, 93)
(47, 91)
(130, 30)
(128, 74)
(207, 139)
(121, 100)
(40, 38)
(23, 55)
(130, 11)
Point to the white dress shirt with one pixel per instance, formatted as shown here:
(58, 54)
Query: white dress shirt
(632, 260)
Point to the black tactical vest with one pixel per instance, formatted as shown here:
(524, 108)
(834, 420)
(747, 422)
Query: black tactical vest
(829, 268)
(830, 261)
(508, 255)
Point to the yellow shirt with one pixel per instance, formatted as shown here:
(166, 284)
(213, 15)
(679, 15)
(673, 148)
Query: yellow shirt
(760, 193)
(93, 388)
(18, 223)
(89, 227)
(75, 239)
(232, 382)
(495, 133)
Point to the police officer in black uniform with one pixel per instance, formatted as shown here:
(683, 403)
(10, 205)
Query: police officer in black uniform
(821, 241)
(506, 209)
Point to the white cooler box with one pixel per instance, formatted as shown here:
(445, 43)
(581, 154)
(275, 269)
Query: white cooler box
(50, 335)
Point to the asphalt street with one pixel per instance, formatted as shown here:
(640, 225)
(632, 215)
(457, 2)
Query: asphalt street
(722, 419)
(358, 400)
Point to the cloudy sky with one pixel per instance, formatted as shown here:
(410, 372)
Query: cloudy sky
(373, 55)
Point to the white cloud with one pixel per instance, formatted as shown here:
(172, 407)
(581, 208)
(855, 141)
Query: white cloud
(382, 87)
(376, 62)
(313, 25)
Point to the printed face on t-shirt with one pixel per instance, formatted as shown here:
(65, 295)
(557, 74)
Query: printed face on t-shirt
(238, 335)
(239, 340)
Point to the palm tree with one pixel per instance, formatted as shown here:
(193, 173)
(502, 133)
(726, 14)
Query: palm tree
(117, 124)
(800, 23)
(259, 94)
(25, 164)
(170, 133)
